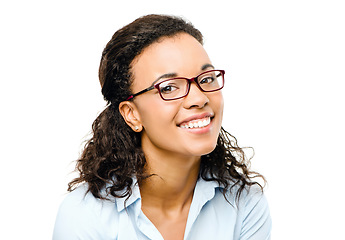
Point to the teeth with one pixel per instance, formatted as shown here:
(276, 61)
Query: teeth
(197, 124)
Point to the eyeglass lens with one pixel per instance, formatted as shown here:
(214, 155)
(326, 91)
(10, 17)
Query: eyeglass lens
(178, 87)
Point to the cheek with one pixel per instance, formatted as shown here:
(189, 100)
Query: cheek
(159, 127)
(158, 115)
(218, 104)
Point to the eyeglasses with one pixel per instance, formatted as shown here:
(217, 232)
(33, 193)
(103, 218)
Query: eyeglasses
(176, 88)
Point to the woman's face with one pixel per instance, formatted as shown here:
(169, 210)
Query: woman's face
(162, 122)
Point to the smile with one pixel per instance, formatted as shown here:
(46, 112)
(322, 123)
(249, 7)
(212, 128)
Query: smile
(198, 123)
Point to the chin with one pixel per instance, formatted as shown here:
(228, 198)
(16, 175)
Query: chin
(200, 151)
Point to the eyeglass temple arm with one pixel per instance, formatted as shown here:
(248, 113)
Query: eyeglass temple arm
(141, 92)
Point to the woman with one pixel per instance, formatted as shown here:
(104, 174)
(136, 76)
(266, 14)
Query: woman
(159, 165)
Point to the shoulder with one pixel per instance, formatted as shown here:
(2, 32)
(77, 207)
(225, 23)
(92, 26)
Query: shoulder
(82, 216)
(254, 214)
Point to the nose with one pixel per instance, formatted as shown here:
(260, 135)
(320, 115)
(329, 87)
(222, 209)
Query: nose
(195, 98)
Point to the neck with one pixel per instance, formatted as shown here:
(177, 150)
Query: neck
(171, 188)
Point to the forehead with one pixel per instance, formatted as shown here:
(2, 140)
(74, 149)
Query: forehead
(181, 54)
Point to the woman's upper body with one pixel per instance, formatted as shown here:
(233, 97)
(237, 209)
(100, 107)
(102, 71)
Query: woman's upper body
(163, 128)
(85, 217)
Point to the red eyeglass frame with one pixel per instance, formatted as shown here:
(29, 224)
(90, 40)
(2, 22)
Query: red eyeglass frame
(190, 80)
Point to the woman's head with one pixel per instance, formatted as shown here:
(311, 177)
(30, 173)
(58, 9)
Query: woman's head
(153, 47)
(163, 123)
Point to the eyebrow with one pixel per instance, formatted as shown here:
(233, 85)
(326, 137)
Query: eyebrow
(207, 65)
(173, 75)
(167, 75)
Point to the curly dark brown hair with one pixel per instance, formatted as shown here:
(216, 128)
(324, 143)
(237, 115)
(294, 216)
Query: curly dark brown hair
(113, 156)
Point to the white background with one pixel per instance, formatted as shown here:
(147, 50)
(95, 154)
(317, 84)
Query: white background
(284, 63)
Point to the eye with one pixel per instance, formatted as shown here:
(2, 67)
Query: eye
(208, 79)
(166, 88)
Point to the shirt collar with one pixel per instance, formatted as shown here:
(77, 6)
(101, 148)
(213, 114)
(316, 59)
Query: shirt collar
(122, 203)
(205, 189)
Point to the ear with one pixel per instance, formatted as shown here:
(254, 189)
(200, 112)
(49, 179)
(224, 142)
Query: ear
(131, 115)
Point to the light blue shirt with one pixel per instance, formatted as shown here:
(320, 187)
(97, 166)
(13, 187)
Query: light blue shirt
(85, 217)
